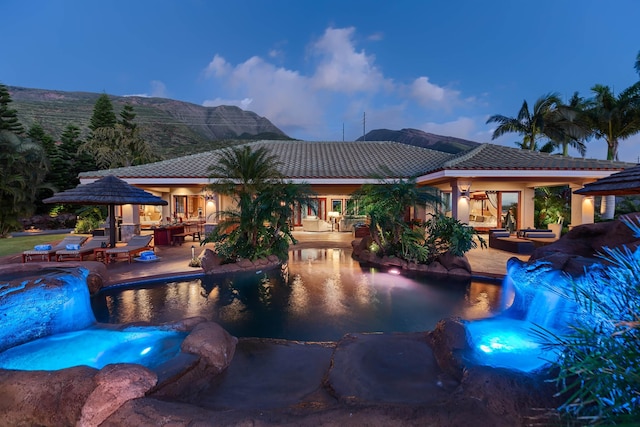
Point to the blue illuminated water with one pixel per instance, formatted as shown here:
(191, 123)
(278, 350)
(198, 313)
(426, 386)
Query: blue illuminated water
(515, 338)
(323, 295)
(95, 347)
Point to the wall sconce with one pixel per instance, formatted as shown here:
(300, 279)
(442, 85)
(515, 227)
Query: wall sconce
(464, 187)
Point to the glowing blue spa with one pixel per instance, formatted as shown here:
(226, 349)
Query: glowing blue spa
(48, 324)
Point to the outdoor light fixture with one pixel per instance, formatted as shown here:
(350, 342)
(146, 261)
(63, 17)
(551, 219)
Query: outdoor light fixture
(193, 252)
(464, 187)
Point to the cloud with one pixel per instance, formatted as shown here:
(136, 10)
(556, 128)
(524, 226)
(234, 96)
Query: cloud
(283, 96)
(342, 68)
(217, 67)
(462, 127)
(242, 103)
(344, 82)
(158, 90)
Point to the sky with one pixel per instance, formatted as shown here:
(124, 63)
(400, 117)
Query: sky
(331, 70)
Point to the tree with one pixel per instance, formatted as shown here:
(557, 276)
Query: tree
(567, 127)
(260, 225)
(532, 125)
(103, 115)
(75, 160)
(116, 146)
(127, 117)
(637, 64)
(613, 118)
(23, 168)
(8, 117)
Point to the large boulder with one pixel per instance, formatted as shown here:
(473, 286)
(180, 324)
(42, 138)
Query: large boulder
(580, 246)
(116, 384)
(44, 398)
(212, 343)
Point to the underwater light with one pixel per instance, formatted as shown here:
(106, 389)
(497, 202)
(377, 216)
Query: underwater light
(145, 351)
(394, 271)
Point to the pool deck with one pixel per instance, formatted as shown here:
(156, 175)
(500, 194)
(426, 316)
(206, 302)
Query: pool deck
(174, 260)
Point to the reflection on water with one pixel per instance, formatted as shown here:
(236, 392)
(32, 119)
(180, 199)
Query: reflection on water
(320, 295)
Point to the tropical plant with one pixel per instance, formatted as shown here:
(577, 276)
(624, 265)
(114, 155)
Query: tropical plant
(613, 118)
(532, 125)
(387, 203)
(598, 371)
(446, 234)
(551, 204)
(23, 168)
(260, 226)
(566, 127)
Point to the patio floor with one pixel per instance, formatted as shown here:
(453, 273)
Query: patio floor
(174, 260)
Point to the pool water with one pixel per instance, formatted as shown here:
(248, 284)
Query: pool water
(95, 347)
(321, 295)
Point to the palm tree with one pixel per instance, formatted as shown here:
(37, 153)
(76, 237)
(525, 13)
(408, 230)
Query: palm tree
(613, 118)
(567, 127)
(260, 226)
(532, 125)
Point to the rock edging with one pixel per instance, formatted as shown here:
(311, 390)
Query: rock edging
(446, 265)
(212, 264)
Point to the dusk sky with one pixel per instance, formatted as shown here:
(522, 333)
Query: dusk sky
(312, 67)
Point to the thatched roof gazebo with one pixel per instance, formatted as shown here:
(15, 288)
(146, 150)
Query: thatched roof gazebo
(109, 191)
(623, 183)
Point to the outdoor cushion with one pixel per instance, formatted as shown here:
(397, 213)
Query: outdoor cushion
(539, 234)
(42, 247)
(73, 247)
(500, 233)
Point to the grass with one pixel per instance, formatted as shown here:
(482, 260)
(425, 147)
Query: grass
(16, 245)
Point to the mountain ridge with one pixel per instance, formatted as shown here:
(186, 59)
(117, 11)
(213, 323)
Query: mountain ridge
(172, 127)
(418, 138)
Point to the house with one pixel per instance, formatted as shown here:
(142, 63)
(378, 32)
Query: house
(478, 186)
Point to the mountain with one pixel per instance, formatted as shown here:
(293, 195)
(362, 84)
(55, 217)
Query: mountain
(416, 137)
(173, 128)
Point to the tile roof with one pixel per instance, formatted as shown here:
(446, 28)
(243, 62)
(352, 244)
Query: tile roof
(304, 160)
(362, 159)
(498, 157)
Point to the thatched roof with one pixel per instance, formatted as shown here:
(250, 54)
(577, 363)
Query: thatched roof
(623, 183)
(109, 190)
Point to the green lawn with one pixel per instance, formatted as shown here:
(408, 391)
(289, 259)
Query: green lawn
(16, 245)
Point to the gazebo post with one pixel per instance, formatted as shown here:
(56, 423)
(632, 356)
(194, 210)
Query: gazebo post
(112, 225)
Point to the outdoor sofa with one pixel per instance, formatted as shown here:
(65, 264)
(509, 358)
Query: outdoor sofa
(523, 242)
(313, 223)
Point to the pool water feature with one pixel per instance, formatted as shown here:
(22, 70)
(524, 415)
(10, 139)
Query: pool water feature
(515, 338)
(95, 347)
(48, 324)
(321, 295)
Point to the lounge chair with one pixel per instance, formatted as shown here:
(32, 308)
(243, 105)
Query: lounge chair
(50, 251)
(84, 250)
(133, 247)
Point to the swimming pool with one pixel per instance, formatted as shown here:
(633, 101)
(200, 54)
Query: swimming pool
(320, 296)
